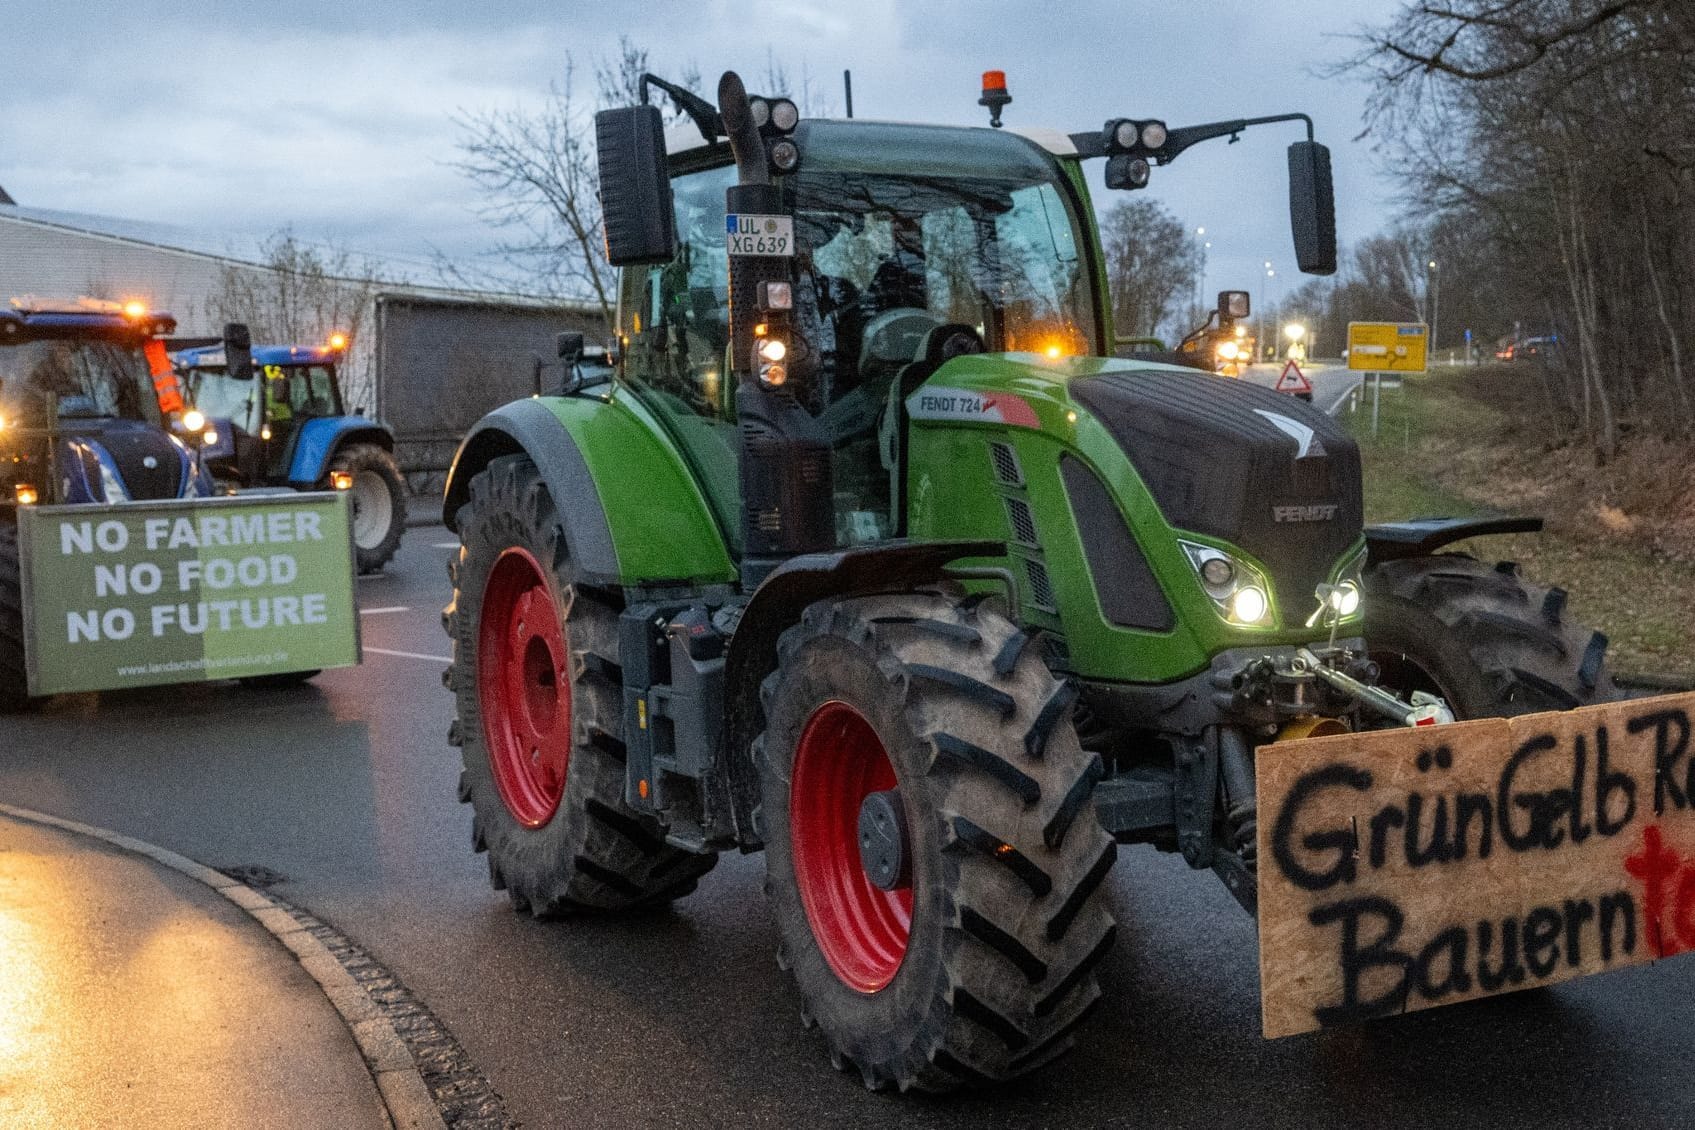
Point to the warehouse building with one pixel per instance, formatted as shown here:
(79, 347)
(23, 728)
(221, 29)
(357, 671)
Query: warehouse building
(428, 360)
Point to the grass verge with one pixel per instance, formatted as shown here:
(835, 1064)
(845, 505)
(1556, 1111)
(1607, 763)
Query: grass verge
(1620, 538)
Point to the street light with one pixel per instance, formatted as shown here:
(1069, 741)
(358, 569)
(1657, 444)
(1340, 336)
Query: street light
(1201, 275)
(1270, 274)
(1435, 303)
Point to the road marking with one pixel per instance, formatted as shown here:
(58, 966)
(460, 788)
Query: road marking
(445, 545)
(407, 654)
(1347, 392)
(380, 611)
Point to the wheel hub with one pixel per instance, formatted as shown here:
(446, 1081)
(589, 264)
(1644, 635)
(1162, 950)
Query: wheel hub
(524, 688)
(373, 509)
(882, 840)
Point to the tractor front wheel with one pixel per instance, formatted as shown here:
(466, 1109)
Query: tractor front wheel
(932, 852)
(536, 682)
(1480, 637)
(378, 496)
(14, 680)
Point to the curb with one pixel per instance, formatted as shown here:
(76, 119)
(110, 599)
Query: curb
(406, 1099)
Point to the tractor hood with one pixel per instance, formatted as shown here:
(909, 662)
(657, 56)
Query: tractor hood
(1251, 467)
(109, 460)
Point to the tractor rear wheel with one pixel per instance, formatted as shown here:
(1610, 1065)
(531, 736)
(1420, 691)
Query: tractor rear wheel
(932, 852)
(14, 680)
(1481, 638)
(535, 679)
(378, 496)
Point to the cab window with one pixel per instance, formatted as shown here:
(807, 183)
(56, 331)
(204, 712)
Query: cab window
(674, 321)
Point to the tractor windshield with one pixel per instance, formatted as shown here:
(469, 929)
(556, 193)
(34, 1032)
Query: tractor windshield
(932, 227)
(90, 377)
(220, 396)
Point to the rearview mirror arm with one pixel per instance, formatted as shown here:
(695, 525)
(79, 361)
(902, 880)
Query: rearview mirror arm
(1093, 144)
(699, 110)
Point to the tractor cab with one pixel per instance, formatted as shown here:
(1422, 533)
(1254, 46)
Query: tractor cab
(988, 249)
(281, 422)
(88, 404)
(264, 406)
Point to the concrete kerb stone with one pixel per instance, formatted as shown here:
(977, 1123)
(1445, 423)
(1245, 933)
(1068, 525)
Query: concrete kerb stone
(405, 1096)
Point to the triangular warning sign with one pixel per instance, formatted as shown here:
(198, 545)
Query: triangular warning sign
(1293, 380)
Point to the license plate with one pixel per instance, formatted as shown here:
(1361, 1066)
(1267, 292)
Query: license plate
(1409, 869)
(750, 234)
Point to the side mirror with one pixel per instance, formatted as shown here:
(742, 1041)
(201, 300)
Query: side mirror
(1312, 208)
(238, 351)
(1232, 305)
(570, 348)
(635, 193)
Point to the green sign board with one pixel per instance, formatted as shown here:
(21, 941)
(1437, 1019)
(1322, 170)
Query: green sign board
(145, 593)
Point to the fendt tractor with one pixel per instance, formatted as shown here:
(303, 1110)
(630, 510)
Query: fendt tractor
(87, 405)
(870, 556)
(282, 423)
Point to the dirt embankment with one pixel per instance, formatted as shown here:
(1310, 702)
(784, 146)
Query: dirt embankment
(1620, 535)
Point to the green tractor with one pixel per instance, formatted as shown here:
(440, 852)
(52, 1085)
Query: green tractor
(868, 554)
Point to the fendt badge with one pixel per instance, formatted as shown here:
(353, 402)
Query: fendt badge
(1303, 513)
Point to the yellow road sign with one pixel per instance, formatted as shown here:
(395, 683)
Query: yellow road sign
(1388, 347)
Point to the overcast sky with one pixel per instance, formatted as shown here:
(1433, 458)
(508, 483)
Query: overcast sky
(337, 118)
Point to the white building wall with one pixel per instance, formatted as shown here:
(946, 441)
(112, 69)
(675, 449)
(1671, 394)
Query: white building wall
(57, 263)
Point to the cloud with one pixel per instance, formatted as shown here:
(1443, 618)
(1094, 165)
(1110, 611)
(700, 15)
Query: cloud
(338, 119)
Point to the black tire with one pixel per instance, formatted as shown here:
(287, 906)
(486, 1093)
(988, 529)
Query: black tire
(1008, 918)
(594, 852)
(370, 464)
(1480, 637)
(14, 679)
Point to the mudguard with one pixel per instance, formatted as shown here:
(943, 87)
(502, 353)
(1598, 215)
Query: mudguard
(632, 510)
(316, 442)
(1420, 537)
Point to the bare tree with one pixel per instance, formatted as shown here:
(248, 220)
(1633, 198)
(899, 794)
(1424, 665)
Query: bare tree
(300, 294)
(1151, 266)
(1558, 136)
(537, 171)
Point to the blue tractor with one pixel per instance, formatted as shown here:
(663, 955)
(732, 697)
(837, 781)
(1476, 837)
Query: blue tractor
(280, 422)
(87, 409)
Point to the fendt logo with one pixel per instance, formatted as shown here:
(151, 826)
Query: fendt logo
(1303, 513)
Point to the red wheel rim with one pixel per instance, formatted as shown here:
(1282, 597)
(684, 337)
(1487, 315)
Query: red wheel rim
(524, 687)
(861, 929)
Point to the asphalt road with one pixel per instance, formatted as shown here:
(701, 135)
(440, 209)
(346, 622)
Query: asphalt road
(681, 1018)
(1330, 382)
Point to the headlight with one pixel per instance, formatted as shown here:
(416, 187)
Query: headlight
(1237, 590)
(1248, 605)
(193, 421)
(1229, 350)
(1341, 598)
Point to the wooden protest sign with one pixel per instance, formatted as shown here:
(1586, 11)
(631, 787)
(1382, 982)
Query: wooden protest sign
(1413, 868)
